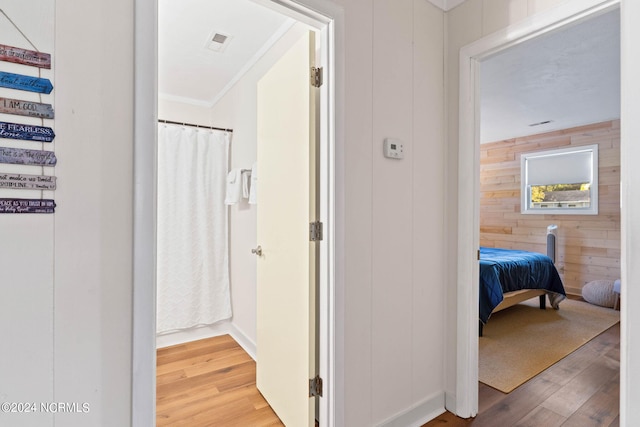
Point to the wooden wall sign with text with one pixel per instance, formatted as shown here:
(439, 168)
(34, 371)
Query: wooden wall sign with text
(26, 108)
(27, 182)
(27, 206)
(19, 156)
(28, 83)
(26, 132)
(25, 56)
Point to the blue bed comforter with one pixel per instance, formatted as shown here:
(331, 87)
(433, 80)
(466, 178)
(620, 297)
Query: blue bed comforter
(506, 270)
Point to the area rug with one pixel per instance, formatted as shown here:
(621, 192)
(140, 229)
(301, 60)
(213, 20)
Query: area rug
(520, 342)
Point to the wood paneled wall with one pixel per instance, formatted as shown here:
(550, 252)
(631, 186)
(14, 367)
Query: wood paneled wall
(588, 246)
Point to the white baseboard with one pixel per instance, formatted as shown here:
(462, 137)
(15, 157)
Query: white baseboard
(245, 342)
(419, 414)
(450, 402)
(225, 327)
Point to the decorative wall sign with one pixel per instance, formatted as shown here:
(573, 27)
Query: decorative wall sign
(24, 56)
(26, 108)
(26, 132)
(27, 206)
(19, 156)
(27, 182)
(28, 83)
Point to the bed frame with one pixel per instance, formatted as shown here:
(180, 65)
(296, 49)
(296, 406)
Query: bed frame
(516, 297)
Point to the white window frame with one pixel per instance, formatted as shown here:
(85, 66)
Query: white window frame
(525, 193)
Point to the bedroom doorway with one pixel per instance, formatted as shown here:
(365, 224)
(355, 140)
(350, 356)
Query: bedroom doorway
(466, 401)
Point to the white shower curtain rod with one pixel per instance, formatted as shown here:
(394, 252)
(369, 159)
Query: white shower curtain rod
(192, 125)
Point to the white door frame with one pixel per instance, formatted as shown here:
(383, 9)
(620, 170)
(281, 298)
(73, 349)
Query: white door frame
(466, 398)
(328, 18)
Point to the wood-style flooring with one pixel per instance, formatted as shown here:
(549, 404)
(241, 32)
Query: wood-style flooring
(581, 390)
(210, 382)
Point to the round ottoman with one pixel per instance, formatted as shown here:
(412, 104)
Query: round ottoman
(599, 292)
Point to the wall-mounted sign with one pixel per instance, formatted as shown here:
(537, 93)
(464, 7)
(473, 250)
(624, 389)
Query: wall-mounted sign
(28, 83)
(27, 206)
(19, 156)
(27, 182)
(26, 108)
(24, 56)
(26, 132)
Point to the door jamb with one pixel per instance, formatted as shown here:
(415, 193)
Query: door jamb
(466, 398)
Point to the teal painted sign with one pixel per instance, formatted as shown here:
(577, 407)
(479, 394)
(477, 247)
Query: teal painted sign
(28, 83)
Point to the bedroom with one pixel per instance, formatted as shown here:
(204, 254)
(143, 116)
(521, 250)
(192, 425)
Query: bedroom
(563, 94)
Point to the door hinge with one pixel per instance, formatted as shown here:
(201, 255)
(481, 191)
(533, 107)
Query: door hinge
(315, 386)
(478, 254)
(315, 231)
(316, 76)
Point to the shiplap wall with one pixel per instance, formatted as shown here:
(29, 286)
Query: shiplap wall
(588, 246)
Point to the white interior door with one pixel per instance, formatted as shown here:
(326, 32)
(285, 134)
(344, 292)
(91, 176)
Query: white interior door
(286, 269)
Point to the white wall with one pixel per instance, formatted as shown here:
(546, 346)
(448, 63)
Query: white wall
(393, 266)
(93, 223)
(66, 312)
(183, 112)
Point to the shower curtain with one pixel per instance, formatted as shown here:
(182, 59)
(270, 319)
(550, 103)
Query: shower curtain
(192, 245)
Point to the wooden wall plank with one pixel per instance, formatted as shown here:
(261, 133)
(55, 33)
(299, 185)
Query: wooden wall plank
(588, 245)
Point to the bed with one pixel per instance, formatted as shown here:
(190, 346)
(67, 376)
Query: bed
(509, 276)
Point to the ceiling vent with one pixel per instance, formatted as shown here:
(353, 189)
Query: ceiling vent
(218, 41)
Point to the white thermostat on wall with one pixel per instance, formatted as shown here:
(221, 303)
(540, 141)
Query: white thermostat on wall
(393, 148)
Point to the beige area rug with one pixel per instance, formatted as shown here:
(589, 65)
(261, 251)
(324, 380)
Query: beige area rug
(520, 342)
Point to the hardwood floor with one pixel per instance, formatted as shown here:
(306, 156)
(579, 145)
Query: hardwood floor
(209, 382)
(212, 383)
(581, 390)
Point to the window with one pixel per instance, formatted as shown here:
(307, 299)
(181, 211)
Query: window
(560, 182)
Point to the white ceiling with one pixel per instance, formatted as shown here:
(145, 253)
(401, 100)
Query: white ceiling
(570, 77)
(187, 70)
